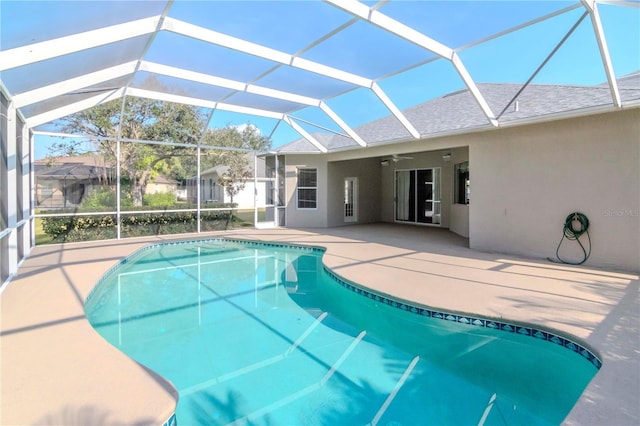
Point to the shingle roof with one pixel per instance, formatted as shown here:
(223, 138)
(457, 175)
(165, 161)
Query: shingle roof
(87, 160)
(74, 167)
(70, 171)
(458, 111)
(221, 169)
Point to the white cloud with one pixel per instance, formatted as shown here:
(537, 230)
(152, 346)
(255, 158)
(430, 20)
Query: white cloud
(241, 127)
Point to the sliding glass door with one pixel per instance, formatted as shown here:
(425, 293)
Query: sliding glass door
(418, 196)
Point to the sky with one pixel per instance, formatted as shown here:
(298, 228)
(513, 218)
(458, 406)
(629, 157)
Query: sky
(359, 48)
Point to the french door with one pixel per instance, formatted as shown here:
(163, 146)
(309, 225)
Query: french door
(418, 196)
(351, 199)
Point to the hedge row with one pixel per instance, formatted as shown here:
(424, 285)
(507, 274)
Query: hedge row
(99, 227)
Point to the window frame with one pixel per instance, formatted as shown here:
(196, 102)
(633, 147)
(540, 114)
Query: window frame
(306, 188)
(458, 169)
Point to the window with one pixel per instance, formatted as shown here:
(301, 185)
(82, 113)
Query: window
(307, 188)
(462, 183)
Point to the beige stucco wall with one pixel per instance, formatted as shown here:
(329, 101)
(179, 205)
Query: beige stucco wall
(155, 188)
(526, 180)
(369, 179)
(305, 218)
(375, 187)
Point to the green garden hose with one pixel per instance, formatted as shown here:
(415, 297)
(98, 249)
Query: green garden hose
(572, 232)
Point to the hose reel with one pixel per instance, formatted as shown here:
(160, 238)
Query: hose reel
(575, 225)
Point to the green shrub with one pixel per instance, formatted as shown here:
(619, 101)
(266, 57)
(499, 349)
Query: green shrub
(104, 197)
(59, 227)
(161, 199)
(103, 226)
(99, 197)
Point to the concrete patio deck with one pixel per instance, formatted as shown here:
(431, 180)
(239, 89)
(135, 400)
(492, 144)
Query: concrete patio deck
(55, 369)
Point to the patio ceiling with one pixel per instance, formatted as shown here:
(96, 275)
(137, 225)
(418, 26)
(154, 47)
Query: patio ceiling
(300, 64)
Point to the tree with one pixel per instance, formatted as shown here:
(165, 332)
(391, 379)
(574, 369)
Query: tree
(238, 167)
(143, 119)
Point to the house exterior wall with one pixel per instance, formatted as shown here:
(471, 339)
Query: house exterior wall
(244, 198)
(213, 192)
(161, 187)
(369, 195)
(526, 180)
(210, 190)
(306, 218)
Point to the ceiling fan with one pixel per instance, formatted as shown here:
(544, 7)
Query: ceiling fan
(395, 158)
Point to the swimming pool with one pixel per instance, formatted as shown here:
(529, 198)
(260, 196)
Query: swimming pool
(262, 333)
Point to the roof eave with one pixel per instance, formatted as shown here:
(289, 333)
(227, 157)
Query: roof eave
(487, 127)
(582, 112)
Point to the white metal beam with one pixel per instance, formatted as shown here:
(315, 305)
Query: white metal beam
(250, 111)
(57, 113)
(279, 94)
(473, 88)
(395, 111)
(160, 96)
(335, 117)
(305, 134)
(401, 30)
(56, 47)
(190, 75)
(249, 88)
(519, 27)
(148, 94)
(395, 27)
(214, 37)
(27, 192)
(592, 8)
(226, 83)
(67, 86)
(168, 97)
(254, 49)
(48, 49)
(327, 71)
(10, 200)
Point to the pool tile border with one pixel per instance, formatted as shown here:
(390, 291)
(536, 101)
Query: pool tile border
(470, 320)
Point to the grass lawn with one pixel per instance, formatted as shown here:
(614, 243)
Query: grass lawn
(41, 236)
(247, 216)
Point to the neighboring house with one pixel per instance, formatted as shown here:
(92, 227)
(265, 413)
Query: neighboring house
(558, 149)
(211, 192)
(64, 182)
(161, 184)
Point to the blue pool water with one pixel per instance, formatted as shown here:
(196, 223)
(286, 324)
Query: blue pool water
(262, 334)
